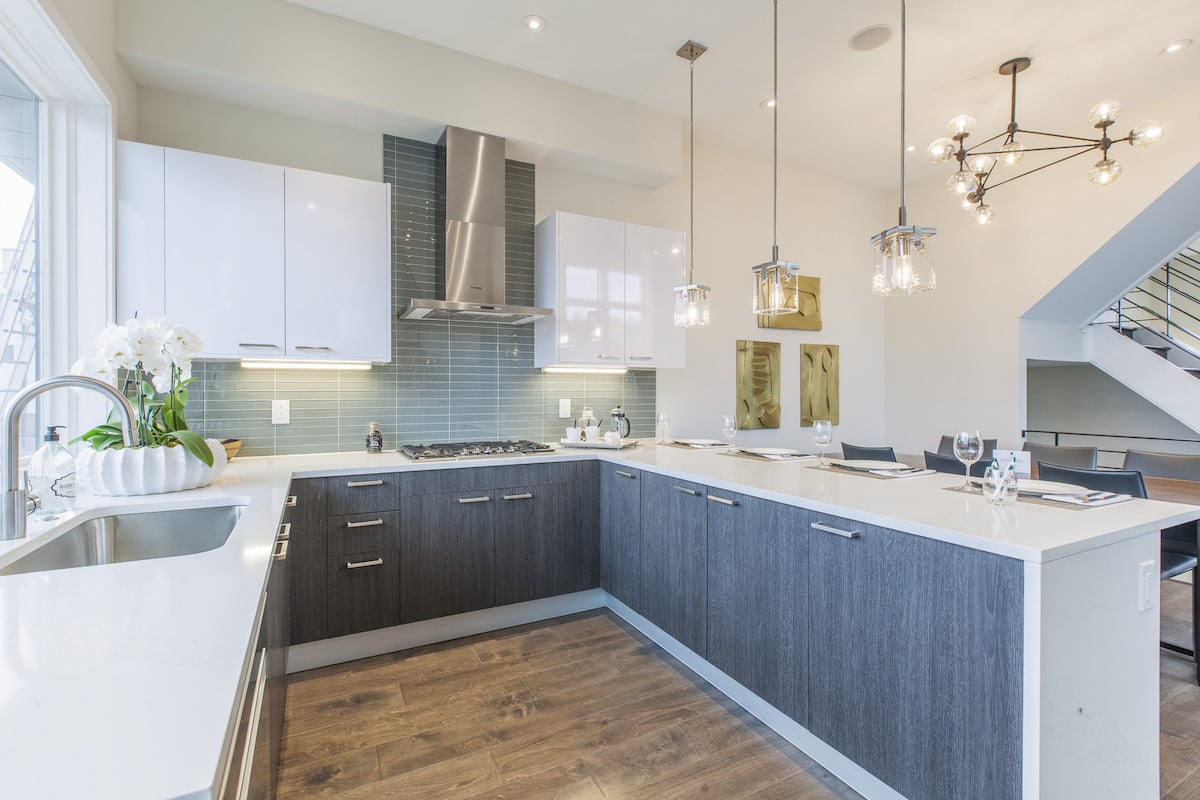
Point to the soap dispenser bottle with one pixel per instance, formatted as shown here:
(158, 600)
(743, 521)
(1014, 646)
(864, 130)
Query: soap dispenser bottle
(52, 474)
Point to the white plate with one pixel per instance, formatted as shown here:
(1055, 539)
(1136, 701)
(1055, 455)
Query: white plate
(700, 442)
(770, 451)
(868, 465)
(1048, 487)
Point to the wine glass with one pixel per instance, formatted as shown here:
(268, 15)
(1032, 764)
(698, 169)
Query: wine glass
(822, 435)
(968, 448)
(662, 428)
(729, 428)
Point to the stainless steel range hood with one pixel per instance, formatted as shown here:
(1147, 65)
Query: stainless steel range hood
(470, 219)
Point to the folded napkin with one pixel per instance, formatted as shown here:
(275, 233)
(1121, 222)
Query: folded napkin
(781, 457)
(1076, 500)
(902, 473)
(706, 446)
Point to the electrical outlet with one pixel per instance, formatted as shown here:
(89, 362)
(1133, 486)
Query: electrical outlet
(564, 408)
(281, 412)
(1148, 575)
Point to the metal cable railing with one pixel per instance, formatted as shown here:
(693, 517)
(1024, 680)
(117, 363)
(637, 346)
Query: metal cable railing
(1166, 305)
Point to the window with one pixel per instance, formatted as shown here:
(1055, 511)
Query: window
(20, 276)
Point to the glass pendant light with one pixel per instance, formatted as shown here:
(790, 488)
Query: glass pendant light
(691, 299)
(775, 282)
(903, 264)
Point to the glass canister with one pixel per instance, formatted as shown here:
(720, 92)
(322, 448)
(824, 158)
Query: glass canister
(1000, 485)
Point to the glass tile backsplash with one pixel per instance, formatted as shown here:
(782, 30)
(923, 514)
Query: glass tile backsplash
(447, 381)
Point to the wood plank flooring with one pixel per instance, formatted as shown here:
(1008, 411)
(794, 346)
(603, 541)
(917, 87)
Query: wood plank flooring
(575, 708)
(586, 707)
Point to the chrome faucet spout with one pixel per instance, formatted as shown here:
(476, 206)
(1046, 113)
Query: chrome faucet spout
(12, 505)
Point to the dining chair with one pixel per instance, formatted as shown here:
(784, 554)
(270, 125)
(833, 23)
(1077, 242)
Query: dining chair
(941, 463)
(946, 447)
(1164, 465)
(1078, 457)
(1178, 546)
(852, 452)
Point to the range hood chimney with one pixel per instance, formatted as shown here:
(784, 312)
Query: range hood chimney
(470, 188)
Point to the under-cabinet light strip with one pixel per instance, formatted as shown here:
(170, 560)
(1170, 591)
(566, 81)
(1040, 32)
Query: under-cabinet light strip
(267, 363)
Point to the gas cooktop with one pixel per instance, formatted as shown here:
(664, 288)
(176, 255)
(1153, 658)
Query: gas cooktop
(425, 452)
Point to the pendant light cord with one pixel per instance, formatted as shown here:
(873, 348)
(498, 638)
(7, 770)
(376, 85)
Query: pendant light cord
(903, 108)
(692, 172)
(775, 141)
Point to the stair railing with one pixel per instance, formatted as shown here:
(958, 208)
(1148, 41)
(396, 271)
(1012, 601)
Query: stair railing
(1166, 304)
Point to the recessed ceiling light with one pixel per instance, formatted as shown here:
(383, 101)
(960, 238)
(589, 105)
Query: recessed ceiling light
(534, 23)
(1175, 47)
(768, 103)
(871, 37)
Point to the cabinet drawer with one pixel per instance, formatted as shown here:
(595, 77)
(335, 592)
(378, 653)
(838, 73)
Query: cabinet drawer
(465, 479)
(358, 494)
(357, 533)
(364, 591)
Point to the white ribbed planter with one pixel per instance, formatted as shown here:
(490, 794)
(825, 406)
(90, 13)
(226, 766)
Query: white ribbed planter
(146, 470)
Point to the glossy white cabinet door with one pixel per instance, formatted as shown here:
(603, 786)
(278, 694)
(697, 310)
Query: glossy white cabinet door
(224, 253)
(140, 286)
(590, 308)
(654, 265)
(338, 255)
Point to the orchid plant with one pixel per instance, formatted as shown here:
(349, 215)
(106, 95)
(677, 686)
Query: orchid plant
(152, 361)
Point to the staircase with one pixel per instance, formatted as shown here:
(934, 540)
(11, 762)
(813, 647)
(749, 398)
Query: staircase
(1157, 351)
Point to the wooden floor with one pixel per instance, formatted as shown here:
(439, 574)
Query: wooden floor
(587, 707)
(580, 707)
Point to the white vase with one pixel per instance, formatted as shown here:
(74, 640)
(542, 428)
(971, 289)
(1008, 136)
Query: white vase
(146, 470)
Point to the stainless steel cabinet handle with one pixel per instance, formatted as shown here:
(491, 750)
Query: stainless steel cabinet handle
(722, 500)
(366, 523)
(281, 548)
(641, 358)
(625, 474)
(484, 499)
(838, 531)
(522, 496)
(258, 344)
(360, 484)
(290, 502)
(686, 490)
(609, 357)
(375, 562)
(313, 347)
(285, 531)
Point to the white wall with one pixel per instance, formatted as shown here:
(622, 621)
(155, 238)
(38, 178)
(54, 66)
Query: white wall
(953, 356)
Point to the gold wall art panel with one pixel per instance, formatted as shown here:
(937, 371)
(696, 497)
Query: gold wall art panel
(819, 392)
(757, 385)
(809, 318)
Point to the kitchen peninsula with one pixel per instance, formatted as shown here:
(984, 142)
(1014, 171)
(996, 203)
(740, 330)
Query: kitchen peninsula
(936, 643)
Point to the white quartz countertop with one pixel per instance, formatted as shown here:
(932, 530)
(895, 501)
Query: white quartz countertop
(119, 681)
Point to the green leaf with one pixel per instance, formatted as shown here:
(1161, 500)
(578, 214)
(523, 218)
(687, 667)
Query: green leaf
(194, 443)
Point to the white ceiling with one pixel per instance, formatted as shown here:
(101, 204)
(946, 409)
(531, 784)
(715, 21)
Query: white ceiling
(840, 108)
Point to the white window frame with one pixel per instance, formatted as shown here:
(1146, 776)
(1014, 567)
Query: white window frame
(76, 195)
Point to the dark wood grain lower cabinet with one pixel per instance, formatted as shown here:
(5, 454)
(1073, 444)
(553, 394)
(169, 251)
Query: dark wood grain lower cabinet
(915, 660)
(307, 565)
(364, 591)
(447, 549)
(539, 548)
(674, 593)
(621, 533)
(758, 597)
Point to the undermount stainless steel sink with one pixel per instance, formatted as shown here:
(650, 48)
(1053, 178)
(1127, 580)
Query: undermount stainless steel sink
(132, 537)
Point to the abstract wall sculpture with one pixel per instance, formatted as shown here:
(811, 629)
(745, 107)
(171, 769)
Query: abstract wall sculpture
(757, 385)
(809, 318)
(819, 394)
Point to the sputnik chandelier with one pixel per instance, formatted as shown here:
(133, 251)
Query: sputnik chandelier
(977, 165)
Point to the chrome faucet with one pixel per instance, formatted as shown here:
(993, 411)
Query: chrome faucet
(13, 509)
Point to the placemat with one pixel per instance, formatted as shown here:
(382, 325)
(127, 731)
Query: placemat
(689, 447)
(1026, 498)
(865, 474)
(756, 457)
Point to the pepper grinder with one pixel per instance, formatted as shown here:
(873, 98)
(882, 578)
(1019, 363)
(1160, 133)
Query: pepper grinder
(374, 438)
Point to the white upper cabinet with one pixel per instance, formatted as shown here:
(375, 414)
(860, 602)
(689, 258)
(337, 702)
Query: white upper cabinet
(336, 246)
(261, 261)
(609, 284)
(224, 252)
(654, 266)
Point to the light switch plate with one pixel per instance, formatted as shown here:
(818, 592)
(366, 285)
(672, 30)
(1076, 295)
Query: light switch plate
(281, 412)
(1148, 575)
(564, 408)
